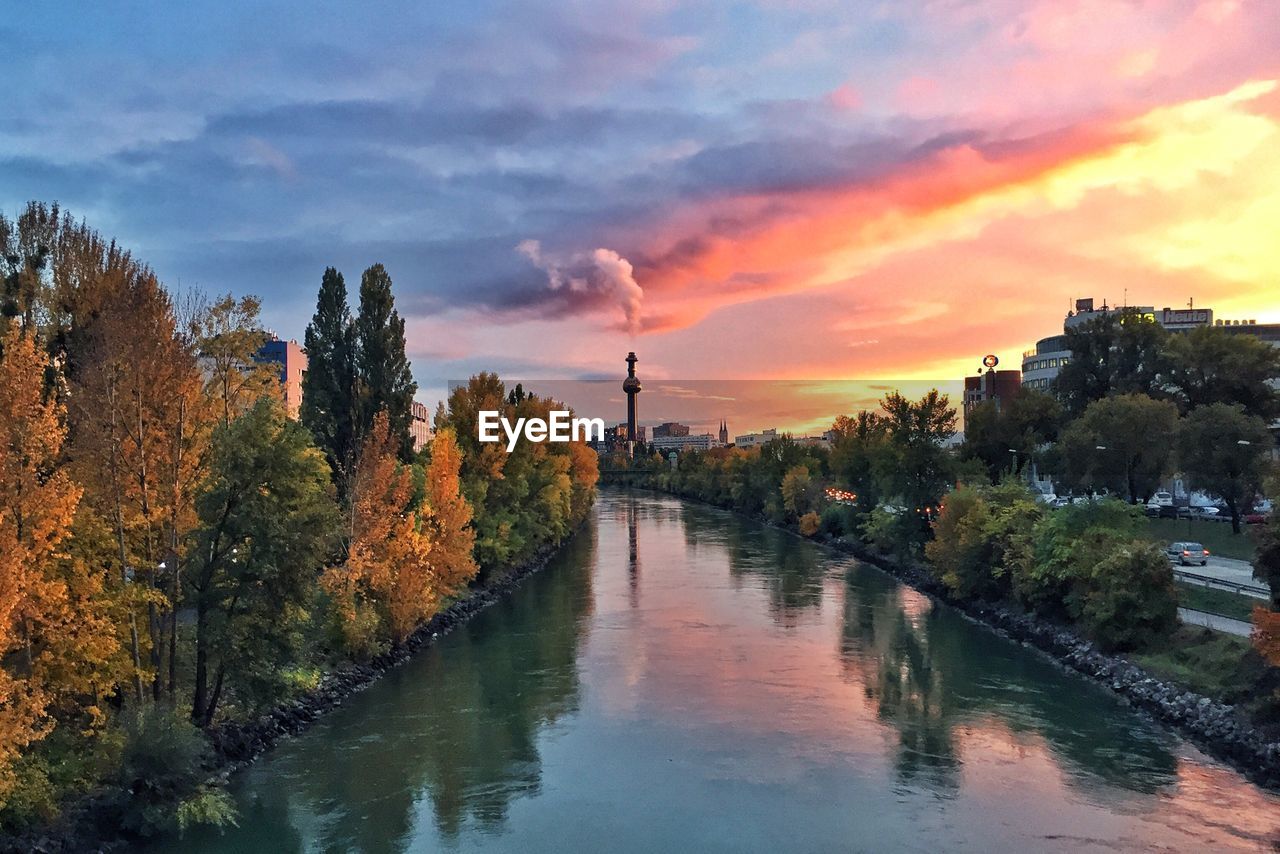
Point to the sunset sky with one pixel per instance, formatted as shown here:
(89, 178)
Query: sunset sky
(747, 190)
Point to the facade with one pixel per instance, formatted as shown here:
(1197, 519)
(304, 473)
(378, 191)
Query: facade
(292, 360)
(670, 428)
(755, 440)
(698, 442)
(419, 425)
(1000, 386)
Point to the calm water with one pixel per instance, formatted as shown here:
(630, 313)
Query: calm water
(686, 680)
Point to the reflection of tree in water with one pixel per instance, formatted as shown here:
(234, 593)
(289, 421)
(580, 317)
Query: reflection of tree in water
(930, 670)
(791, 569)
(457, 726)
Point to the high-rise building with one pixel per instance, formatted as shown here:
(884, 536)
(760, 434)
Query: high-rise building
(419, 425)
(670, 428)
(292, 360)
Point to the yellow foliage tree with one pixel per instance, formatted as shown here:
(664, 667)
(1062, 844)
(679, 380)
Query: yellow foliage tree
(49, 620)
(453, 538)
(387, 584)
(1266, 634)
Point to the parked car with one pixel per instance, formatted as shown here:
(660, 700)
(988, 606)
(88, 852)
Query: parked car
(1204, 512)
(1161, 499)
(1188, 554)
(1254, 518)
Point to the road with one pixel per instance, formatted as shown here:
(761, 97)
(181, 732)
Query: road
(1224, 569)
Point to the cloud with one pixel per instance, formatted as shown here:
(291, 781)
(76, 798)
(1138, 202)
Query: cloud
(600, 272)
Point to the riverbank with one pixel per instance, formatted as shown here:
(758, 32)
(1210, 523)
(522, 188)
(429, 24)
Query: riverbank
(236, 744)
(1217, 728)
(1220, 729)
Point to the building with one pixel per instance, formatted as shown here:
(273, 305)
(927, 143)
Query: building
(1000, 386)
(698, 442)
(1040, 365)
(755, 440)
(670, 428)
(419, 425)
(292, 360)
(724, 432)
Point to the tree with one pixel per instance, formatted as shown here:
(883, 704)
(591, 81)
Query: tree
(1121, 352)
(1266, 563)
(266, 522)
(800, 492)
(54, 636)
(1121, 443)
(1005, 437)
(1210, 364)
(1131, 600)
(329, 397)
(1224, 451)
(916, 469)
(229, 338)
(449, 515)
(981, 537)
(386, 380)
(858, 442)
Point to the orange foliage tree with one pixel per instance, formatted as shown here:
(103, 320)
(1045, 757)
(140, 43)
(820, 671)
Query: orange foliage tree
(386, 586)
(1266, 634)
(51, 628)
(449, 516)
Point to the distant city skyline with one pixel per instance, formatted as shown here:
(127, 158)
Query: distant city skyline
(764, 190)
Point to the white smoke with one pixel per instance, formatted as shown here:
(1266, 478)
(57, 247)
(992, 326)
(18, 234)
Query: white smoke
(601, 271)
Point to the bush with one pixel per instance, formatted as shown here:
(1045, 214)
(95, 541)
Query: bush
(163, 764)
(809, 523)
(1130, 598)
(839, 520)
(981, 535)
(1067, 544)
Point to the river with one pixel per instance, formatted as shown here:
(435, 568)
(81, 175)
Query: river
(682, 679)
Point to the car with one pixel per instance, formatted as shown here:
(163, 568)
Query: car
(1254, 518)
(1204, 512)
(1188, 554)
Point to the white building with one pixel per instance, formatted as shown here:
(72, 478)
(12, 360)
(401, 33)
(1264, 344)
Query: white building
(755, 440)
(698, 442)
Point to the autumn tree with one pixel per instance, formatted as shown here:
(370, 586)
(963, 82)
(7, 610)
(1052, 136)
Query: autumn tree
(266, 523)
(229, 337)
(53, 634)
(449, 516)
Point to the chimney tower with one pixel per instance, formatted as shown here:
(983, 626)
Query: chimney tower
(631, 385)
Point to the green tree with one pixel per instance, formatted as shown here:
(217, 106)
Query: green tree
(916, 470)
(386, 381)
(1210, 364)
(329, 401)
(1120, 443)
(980, 538)
(857, 443)
(1131, 600)
(1007, 437)
(267, 519)
(1121, 352)
(1224, 451)
(1266, 564)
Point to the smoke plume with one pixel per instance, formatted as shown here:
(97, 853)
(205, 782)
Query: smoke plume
(601, 272)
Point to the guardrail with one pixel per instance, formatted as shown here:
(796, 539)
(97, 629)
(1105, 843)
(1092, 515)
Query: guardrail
(1257, 591)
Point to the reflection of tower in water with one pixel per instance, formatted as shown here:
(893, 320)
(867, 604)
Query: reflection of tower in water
(633, 556)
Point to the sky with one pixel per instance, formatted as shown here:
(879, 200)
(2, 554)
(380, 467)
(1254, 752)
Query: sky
(759, 190)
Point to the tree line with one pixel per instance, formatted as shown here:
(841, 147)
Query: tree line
(175, 551)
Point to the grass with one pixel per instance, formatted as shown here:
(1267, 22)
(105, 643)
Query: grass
(1215, 601)
(1211, 663)
(1216, 536)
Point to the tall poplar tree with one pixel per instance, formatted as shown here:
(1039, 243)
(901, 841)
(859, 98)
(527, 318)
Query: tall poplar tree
(329, 399)
(386, 382)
